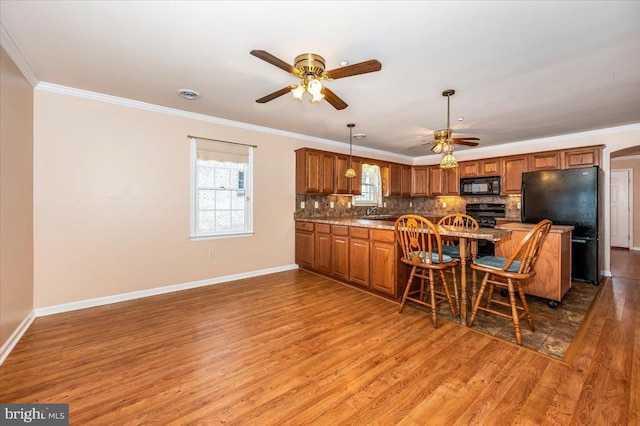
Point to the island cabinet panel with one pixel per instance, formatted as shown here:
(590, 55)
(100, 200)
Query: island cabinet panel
(305, 245)
(553, 267)
(359, 256)
(512, 169)
(551, 160)
(420, 181)
(582, 157)
(383, 262)
(323, 248)
(340, 251)
(314, 172)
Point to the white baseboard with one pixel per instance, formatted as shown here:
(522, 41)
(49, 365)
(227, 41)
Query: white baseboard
(606, 273)
(15, 337)
(634, 248)
(100, 301)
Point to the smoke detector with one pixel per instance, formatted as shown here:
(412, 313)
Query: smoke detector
(189, 94)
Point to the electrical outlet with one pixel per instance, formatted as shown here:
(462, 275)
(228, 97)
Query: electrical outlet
(518, 205)
(444, 205)
(302, 204)
(384, 204)
(348, 204)
(315, 204)
(410, 204)
(212, 253)
(331, 204)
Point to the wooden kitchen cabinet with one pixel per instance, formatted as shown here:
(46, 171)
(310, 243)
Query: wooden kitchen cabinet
(340, 252)
(405, 190)
(582, 157)
(444, 181)
(359, 256)
(342, 184)
(314, 171)
(305, 245)
(322, 249)
(486, 167)
(383, 261)
(512, 169)
(395, 179)
(553, 267)
(550, 160)
(420, 181)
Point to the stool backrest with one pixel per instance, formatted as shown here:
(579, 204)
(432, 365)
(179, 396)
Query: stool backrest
(529, 248)
(459, 219)
(419, 239)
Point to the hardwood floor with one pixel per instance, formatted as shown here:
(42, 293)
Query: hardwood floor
(295, 348)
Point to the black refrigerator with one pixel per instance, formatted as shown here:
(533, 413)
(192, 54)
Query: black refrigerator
(570, 197)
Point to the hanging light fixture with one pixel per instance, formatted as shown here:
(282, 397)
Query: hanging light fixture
(446, 146)
(350, 173)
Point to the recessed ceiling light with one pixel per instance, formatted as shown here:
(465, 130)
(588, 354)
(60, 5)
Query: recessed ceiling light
(460, 118)
(344, 63)
(359, 136)
(189, 94)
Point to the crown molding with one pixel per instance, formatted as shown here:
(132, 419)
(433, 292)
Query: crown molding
(14, 53)
(551, 139)
(100, 97)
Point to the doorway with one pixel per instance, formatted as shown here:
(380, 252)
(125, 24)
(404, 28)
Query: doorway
(621, 201)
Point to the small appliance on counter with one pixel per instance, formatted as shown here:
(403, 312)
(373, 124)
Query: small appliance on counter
(480, 186)
(570, 197)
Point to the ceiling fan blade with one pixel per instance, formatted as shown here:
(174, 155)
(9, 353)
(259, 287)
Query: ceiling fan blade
(467, 139)
(355, 69)
(333, 99)
(268, 57)
(463, 142)
(275, 94)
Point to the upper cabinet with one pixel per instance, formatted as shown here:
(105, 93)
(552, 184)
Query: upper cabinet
(395, 179)
(406, 181)
(512, 169)
(342, 184)
(582, 157)
(444, 181)
(550, 160)
(486, 167)
(420, 181)
(314, 171)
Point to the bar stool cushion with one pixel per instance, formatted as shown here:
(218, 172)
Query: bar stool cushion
(497, 263)
(434, 257)
(453, 251)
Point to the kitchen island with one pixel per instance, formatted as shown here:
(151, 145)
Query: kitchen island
(363, 252)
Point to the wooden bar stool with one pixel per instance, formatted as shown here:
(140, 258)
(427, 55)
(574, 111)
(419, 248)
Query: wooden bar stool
(421, 246)
(510, 274)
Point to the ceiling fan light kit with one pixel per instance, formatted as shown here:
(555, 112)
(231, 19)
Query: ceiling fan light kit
(310, 69)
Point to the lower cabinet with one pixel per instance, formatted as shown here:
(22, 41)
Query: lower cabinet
(360, 256)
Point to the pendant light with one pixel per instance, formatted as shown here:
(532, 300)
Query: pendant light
(448, 160)
(350, 173)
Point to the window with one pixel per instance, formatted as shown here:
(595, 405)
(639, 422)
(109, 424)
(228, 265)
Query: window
(371, 187)
(221, 189)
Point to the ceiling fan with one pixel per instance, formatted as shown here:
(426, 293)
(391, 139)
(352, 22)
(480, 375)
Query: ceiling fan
(442, 138)
(309, 68)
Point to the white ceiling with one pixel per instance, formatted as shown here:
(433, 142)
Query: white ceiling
(521, 70)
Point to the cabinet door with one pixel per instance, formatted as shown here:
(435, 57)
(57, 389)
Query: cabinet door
(406, 181)
(436, 180)
(341, 183)
(551, 160)
(383, 260)
(305, 249)
(395, 179)
(490, 167)
(452, 181)
(420, 181)
(323, 252)
(582, 157)
(469, 169)
(359, 261)
(340, 256)
(355, 184)
(314, 172)
(327, 173)
(512, 169)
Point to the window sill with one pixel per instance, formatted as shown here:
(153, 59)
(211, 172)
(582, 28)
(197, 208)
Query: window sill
(221, 236)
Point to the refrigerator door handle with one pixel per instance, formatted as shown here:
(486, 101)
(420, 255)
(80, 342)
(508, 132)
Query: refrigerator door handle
(579, 241)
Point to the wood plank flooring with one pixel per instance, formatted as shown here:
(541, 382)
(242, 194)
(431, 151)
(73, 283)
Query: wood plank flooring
(295, 348)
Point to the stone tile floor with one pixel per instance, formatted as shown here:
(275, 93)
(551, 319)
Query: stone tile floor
(555, 328)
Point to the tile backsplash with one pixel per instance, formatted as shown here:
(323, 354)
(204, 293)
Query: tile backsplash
(396, 206)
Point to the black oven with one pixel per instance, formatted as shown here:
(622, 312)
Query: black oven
(480, 186)
(485, 214)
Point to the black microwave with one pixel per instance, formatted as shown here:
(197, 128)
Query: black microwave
(489, 185)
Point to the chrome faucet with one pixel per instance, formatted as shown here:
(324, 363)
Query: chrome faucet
(372, 210)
